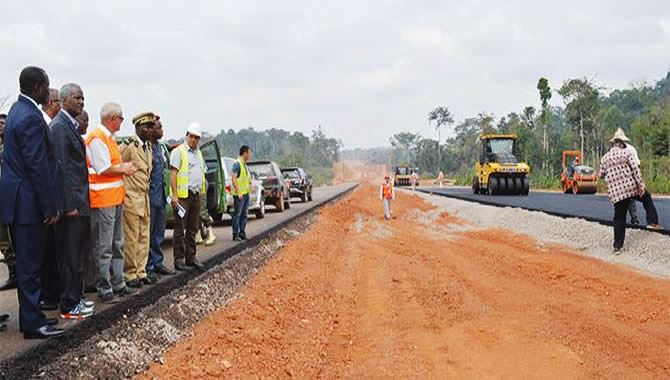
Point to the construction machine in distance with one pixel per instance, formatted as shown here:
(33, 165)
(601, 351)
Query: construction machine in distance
(498, 171)
(402, 175)
(575, 177)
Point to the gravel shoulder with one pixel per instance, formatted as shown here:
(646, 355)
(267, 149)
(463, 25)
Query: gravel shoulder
(645, 251)
(134, 342)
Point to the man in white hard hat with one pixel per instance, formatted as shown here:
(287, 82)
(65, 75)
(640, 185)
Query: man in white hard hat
(187, 182)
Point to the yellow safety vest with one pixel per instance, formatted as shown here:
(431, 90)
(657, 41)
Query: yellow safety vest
(242, 179)
(182, 173)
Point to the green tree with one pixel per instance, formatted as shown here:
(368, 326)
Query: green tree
(581, 105)
(545, 96)
(441, 117)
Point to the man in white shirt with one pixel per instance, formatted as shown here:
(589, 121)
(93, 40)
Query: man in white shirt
(52, 108)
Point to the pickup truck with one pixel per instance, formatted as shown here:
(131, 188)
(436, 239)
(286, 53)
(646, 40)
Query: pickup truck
(300, 183)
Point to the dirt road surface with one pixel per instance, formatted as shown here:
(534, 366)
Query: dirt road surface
(428, 295)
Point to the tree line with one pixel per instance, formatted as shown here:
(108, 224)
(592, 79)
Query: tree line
(585, 121)
(315, 152)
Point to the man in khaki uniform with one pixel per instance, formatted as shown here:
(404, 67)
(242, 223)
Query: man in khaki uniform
(136, 216)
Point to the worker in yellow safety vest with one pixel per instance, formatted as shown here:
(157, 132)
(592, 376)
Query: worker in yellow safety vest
(387, 194)
(241, 183)
(187, 182)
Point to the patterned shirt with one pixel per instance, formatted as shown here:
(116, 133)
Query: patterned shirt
(623, 176)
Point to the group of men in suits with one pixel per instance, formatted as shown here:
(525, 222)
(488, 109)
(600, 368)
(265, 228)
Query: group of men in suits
(66, 201)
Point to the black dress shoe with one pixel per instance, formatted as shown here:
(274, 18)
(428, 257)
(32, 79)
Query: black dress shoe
(162, 269)
(243, 237)
(52, 321)
(10, 284)
(48, 306)
(148, 280)
(196, 264)
(44, 332)
(3, 327)
(4, 318)
(181, 266)
(135, 284)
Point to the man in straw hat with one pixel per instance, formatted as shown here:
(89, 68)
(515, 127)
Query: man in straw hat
(624, 185)
(632, 209)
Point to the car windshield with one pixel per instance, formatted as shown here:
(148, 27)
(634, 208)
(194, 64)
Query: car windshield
(261, 170)
(292, 174)
(402, 171)
(584, 170)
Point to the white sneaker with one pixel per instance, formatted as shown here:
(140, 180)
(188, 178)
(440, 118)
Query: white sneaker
(198, 237)
(211, 238)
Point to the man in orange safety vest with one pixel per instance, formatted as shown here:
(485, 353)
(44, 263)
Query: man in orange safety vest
(387, 194)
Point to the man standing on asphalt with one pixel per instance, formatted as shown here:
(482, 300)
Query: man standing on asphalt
(5, 241)
(28, 197)
(51, 281)
(105, 175)
(241, 182)
(70, 150)
(157, 201)
(82, 119)
(89, 267)
(52, 107)
(136, 223)
(624, 185)
(187, 181)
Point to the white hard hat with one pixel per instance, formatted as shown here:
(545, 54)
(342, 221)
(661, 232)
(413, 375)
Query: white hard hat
(194, 129)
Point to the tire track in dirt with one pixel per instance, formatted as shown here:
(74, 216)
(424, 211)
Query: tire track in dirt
(428, 295)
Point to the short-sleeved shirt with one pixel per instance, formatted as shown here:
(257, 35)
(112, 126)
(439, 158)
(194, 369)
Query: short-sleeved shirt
(98, 153)
(195, 167)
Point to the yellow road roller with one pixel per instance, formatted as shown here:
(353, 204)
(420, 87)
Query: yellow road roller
(498, 171)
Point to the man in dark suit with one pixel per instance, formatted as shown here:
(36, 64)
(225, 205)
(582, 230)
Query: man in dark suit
(28, 196)
(70, 151)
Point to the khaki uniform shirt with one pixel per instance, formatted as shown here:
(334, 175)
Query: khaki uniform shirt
(137, 185)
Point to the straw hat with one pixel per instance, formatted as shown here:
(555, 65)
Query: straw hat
(620, 136)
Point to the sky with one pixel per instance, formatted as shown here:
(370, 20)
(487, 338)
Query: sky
(362, 70)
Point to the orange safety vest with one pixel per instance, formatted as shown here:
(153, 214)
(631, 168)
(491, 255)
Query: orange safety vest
(387, 191)
(105, 190)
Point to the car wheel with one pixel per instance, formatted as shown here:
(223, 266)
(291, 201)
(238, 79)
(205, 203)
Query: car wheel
(303, 196)
(309, 196)
(280, 203)
(288, 203)
(260, 212)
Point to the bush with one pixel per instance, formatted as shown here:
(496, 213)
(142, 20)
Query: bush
(320, 175)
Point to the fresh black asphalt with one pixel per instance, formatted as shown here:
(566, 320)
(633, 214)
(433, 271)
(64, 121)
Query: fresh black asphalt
(590, 207)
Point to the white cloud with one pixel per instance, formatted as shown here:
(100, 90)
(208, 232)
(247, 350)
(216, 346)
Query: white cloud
(363, 70)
